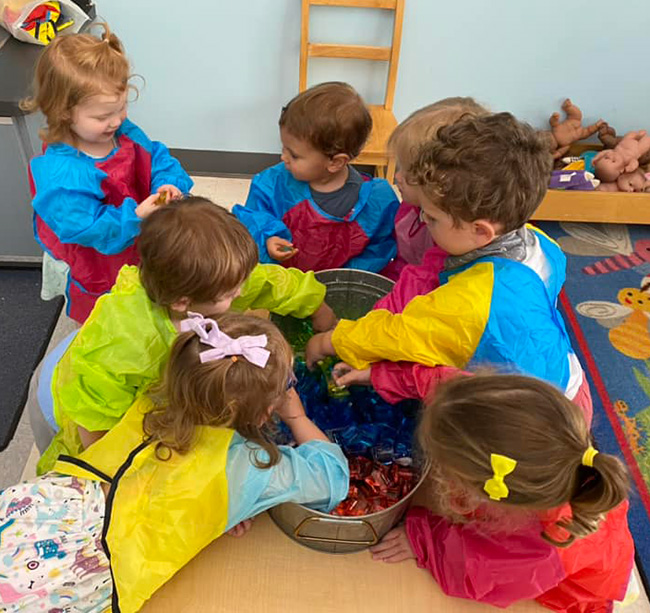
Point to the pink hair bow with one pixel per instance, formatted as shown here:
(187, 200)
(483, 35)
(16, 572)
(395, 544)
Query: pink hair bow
(250, 347)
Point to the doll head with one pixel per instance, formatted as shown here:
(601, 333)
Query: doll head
(609, 165)
(632, 181)
(195, 256)
(228, 373)
(545, 457)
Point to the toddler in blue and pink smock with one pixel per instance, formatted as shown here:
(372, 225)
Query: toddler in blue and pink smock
(99, 174)
(314, 211)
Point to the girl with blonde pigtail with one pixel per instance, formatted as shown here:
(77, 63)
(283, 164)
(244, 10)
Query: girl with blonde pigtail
(525, 506)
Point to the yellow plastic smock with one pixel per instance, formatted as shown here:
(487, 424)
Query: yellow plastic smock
(159, 514)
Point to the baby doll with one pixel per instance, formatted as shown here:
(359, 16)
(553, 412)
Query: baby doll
(565, 133)
(607, 136)
(636, 181)
(624, 158)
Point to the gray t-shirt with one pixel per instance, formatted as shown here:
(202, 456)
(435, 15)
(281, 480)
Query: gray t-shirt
(340, 202)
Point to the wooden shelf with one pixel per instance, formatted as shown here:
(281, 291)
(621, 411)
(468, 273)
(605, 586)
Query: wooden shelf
(594, 207)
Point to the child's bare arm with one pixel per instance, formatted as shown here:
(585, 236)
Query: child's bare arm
(293, 414)
(147, 206)
(324, 318)
(319, 347)
(88, 438)
(394, 547)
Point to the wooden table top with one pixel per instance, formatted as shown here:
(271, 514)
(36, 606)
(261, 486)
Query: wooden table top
(266, 572)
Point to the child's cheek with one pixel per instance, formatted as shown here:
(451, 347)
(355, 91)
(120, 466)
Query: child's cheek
(409, 194)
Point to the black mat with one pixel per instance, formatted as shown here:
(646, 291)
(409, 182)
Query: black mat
(26, 325)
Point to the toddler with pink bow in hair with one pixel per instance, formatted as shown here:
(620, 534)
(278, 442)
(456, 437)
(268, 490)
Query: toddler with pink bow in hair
(187, 462)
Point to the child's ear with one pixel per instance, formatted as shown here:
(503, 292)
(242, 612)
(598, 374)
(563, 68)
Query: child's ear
(485, 231)
(181, 305)
(265, 418)
(338, 161)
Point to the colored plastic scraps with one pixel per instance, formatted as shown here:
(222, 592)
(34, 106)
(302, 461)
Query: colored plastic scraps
(374, 435)
(375, 487)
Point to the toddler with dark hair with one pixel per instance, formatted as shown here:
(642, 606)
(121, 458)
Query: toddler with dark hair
(314, 210)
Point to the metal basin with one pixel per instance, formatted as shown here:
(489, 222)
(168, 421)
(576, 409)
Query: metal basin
(351, 294)
(334, 534)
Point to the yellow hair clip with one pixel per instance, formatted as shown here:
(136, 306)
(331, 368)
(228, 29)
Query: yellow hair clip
(588, 456)
(501, 465)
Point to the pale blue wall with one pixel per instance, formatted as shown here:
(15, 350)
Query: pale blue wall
(217, 76)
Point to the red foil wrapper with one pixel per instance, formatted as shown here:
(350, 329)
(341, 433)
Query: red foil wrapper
(375, 487)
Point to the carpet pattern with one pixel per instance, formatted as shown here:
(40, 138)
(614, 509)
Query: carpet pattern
(606, 306)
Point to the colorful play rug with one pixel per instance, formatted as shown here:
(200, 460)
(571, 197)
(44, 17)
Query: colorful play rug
(606, 306)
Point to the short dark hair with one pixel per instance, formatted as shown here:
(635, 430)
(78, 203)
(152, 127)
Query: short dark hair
(193, 248)
(490, 167)
(332, 117)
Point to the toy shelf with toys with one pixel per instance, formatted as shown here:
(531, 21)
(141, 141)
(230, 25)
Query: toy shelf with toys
(600, 183)
(594, 206)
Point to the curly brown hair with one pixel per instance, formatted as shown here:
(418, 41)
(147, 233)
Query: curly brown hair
(490, 167)
(223, 393)
(332, 117)
(70, 70)
(195, 249)
(530, 421)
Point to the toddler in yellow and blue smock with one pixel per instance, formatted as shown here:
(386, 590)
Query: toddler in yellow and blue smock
(478, 182)
(183, 466)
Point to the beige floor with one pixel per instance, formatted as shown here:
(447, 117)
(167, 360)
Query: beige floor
(224, 192)
(266, 571)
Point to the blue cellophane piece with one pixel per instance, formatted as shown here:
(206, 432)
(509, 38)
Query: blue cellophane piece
(360, 421)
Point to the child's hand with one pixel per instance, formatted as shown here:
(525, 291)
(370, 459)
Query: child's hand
(323, 318)
(291, 407)
(394, 547)
(318, 347)
(173, 193)
(345, 375)
(280, 249)
(241, 528)
(147, 206)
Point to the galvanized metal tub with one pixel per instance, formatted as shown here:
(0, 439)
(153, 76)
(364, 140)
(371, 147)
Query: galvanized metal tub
(351, 293)
(334, 534)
